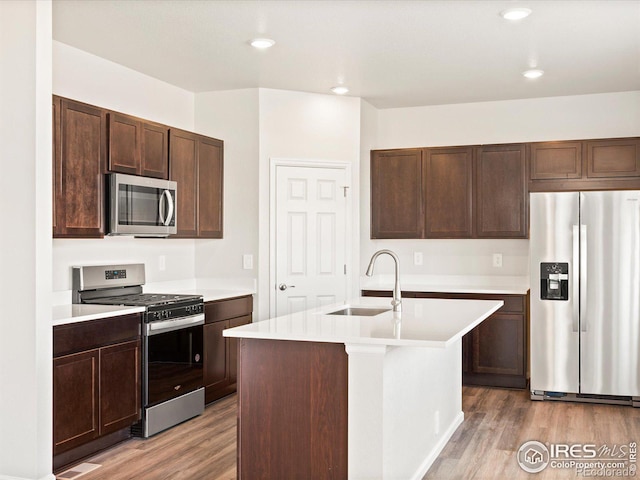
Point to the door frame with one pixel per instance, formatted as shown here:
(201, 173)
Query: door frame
(349, 232)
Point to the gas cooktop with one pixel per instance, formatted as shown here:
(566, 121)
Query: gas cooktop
(143, 299)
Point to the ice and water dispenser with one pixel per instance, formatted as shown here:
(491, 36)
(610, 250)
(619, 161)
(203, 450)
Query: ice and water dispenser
(554, 281)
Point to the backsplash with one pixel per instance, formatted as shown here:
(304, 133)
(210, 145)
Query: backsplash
(164, 259)
(451, 257)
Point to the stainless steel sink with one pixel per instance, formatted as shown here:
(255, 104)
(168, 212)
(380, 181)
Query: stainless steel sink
(360, 311)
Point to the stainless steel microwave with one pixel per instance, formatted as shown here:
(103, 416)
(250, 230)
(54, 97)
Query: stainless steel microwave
(141, 206)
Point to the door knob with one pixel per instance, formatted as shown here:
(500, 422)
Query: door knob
(283, 287)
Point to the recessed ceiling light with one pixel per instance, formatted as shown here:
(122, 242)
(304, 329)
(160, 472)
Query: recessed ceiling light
(340, 90)
(515, 13)
(533, 73)
(262, 43)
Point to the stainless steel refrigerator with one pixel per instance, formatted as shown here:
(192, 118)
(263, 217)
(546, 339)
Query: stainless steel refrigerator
(585, 296)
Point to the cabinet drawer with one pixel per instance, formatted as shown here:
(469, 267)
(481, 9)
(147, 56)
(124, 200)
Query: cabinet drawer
(77, 337)
(225, 309)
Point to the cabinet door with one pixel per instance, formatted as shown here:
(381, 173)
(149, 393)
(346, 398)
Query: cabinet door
(556, 160)
(613, 158)
(155, 150)
(57, 158)
(125, 138)
(396, 194)
(498, 345)
(119, 386)
(466, 349)
(501, 192)
(215, 360)
(448, 192)
(183, 169)
(210, 182)
(232, 348)
(79, 169)
(75, 400)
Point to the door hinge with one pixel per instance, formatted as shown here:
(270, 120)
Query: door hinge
(345, 269)
(345, 187)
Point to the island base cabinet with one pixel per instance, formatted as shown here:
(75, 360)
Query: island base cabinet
(495, 353)
(292, 410)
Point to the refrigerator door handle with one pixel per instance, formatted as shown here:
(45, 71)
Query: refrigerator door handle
(583, 278)
(575, 282)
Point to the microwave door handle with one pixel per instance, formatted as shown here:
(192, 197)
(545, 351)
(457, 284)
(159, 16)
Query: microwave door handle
(166, 195)
(161, 208)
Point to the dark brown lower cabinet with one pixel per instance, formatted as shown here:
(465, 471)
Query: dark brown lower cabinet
(75, 400)
(292, 410)
(96, 386)
(495, 353)
(220, 353)
(119, 386)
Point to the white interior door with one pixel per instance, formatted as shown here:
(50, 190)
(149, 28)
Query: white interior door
(310, 237)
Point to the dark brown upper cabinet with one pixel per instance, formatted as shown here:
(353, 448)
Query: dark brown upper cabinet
(90, 141)
(196, 163)
(556, 160)
(501, 191)
(448, 192)
(396, 193)
(78, 169)
(137, 147)
(210, 187)
(613, 158)
(602, 164)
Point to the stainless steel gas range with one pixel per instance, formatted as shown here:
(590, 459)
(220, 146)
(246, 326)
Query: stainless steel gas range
(172, 342)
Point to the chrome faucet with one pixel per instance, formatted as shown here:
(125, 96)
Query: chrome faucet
(397, 297)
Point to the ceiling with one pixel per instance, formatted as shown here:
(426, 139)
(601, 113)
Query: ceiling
(391, 53)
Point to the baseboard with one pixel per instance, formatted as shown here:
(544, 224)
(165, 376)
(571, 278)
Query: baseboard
(48, 476)
(433, 454)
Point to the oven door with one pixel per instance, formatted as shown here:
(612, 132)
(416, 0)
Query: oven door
(173, 363)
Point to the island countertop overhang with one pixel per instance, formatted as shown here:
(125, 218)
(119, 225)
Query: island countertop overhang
(428, 322)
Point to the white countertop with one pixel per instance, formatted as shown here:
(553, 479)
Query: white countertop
(63, 314)
(71, 313)
(481, 284)
(423, 322)
(212, 294)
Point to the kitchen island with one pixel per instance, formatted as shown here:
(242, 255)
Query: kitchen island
(351, 396)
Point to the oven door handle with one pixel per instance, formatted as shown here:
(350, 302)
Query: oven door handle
(155, 328)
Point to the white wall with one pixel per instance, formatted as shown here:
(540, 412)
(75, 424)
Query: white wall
(543, 119)
(94, 80)
(233, 117)
(91, 79)
(538, 119)
(25, 240)
(302, 126)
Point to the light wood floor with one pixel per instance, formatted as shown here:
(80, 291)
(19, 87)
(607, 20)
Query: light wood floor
(497, 422)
